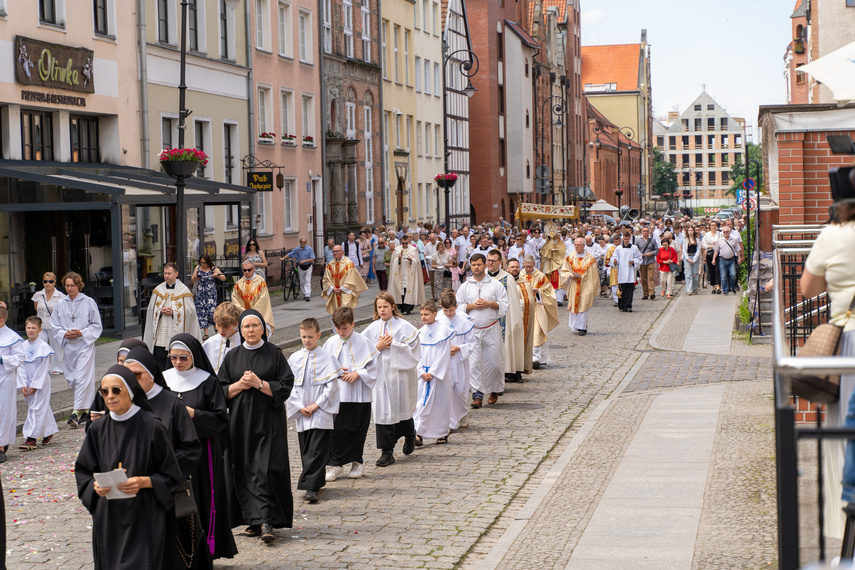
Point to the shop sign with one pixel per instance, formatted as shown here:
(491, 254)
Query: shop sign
(261, 181)
(232, 248)
(54, 66)
(210, 248)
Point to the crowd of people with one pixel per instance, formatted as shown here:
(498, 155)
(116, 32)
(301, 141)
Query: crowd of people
(178, 418)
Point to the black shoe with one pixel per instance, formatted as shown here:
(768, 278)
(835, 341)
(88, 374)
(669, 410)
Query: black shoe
(267, 535)
(409, 445)
(644, 298)
(653, 297)
(252, 530)
(386, 459)
(560, 303)
(72, 421)
(616, 304)
(307, 299)
(629, 310)
(583, 332)
(419, 441)
(2, 456)
(535, 365)
(312, 496)
(727, 292)
(82, 419)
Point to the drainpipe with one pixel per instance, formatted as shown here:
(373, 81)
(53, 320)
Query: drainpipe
(322, 138)
(144, 126)
(382, 118)
(250, 101)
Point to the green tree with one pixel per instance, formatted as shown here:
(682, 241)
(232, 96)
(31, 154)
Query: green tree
(737, 172)
(664, 175)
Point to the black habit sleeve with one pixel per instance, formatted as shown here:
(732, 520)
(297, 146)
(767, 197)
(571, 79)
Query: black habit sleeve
(213, 419)
(283, 379)
(165, 473)
(185, 443)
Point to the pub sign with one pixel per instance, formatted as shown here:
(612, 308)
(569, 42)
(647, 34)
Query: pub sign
(54, 66)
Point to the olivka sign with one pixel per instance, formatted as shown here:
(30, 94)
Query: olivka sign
(54, 66)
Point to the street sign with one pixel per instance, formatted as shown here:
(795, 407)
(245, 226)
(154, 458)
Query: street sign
(542, 171)
(542, 184)
(711, 210)
(750, 204)
(748, 184)
(740, 196)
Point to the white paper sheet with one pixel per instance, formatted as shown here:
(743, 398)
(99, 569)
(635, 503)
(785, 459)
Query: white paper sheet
(112, 479)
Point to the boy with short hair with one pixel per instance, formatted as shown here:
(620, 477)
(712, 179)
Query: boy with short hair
(313, 404)
(34, 382)
(226, 317)
(433, 409)
(11, 357)
(357, 357)
(458, 367)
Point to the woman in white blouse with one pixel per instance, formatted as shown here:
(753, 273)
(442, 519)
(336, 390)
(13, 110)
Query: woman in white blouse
(45, 302)
(708, 244)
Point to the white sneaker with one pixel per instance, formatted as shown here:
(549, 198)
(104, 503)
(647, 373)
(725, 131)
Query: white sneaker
(464, 422)
(356, 470)
(333, 472)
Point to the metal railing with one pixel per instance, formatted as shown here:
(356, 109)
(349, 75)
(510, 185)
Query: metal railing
(792, 245)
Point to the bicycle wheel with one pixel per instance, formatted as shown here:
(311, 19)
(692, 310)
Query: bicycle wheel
(286, 284)
(295, 284)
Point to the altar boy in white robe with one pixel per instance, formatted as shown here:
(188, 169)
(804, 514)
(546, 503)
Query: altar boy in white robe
(358, 359)
(226, 317)
(313, 404)
(11, 357)
(458, 365)
(396, 390)
(34, 382)
(627, 260)
(435, 390)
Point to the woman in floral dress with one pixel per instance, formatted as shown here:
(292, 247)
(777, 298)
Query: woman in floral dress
(206, 291)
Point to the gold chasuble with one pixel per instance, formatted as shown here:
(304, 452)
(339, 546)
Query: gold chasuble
(546, 311)
(551, 258)
(345, 276)
(253, 294)
(580, 292)
(527, 303)
(613, 270)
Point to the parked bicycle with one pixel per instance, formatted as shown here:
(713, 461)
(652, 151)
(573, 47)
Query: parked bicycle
(290, 279)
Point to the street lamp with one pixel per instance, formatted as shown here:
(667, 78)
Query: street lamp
(468, 69)
(183, 113)
(629, 134)
(557, 109)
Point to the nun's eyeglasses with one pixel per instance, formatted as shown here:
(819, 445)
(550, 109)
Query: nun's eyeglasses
(116, 390)
(181, 357)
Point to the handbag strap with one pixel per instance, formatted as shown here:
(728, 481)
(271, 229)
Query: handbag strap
(849, 312)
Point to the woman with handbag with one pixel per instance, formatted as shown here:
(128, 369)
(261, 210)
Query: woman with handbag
(666, 257)
(829, 268)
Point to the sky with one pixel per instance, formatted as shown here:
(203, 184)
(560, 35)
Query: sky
(735, 47)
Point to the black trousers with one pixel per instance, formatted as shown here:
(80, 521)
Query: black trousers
(388, 435)
(712, 270)
(314, 452)
(161, 355)
(382, 278)
(351, 428)
(626, 292)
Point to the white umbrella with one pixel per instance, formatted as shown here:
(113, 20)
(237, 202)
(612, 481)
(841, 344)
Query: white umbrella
(837, 71)
(602, 206)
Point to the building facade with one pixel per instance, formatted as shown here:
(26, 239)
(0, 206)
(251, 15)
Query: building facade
(613, 161)
(702, 144)
(287, 94)
(352, 61)
(795, 82)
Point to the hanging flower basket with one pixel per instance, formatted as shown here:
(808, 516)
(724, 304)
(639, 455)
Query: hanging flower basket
(181, 162)
(445, 180)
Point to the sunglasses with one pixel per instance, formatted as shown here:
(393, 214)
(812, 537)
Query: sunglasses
(115, 390)
(248, 270)
(48, 281)
(179, 357)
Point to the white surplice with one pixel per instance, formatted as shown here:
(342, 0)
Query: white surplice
(12, 355)
(511, 325)
(621, 258)
(435, 396)
(396, 389)
(216, 349)
(458, 365)
(316, 376)
(80, 313)
(35, 373)
(355, 354)
(487, 356)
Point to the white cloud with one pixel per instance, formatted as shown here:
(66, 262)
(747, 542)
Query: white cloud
(592, 17)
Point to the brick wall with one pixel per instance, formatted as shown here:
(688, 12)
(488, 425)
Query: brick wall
(806, 412)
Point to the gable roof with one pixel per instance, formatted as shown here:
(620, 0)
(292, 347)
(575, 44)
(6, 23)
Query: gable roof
(612, 64)
(800, 11)
(523, 35)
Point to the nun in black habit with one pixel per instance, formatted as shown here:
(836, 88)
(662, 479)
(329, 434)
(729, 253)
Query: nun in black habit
(127, 533)
(185, 541)
(198, 388)
(257, 380)
(98, 409)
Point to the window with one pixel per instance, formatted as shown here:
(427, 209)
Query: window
(288, 199)
(409, 132)
(308, 116)
(100, 14)
(305, 37)
(724, 141)
(383, 27)
(435, 19)
(684, 142)
(162, 19)
(84, 139)
(168, 132)
(229, 144)
(711, 159)
(328, 26)
(697, 107)
(416, 15)
(398, 138)
(437, 82)
(347, 24)
(396, 35)
(660, 141)
(501, 152)
(418, 74)
(264, 111)
(227, 31)
(201, 138)
(713, 177)
(368, 136)
(725, 159)
(49, 12)
(287, 110)
(437, 138)
(672, 143)
(724, 123)
(711, 142)
(425, 21)
(263, 213)
(711, 107)
(501, 96)
(697, 124)
(285, 39)
(711, 123)
(427, 77)
(800, 75)
(262, 20)
(699, 141)
(427, 139)
(699, 159)
(350, 117)
(192, 25)
(407, 57)
(366, 33)
(37, 135)
(418, 138)
(526, 120)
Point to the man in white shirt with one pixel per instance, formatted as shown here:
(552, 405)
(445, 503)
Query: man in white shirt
(429, 253)
(517, 250)
(351, 249)
(461, 243)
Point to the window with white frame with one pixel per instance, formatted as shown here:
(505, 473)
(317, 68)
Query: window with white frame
(398, 137)
(286, 113)
(368, 136)
(264, 112)
(418, 71)
(419, 198)
(288, 200)
(265, 225)
(228, 49)
(436, 141)
(231, 147)
(396, 37)
(383, 65)
(435, 19)
(286, 40)
(387, 209)
(428, 80)
(202, 141)
(165, 15)
(350, 116)
(347, 25)
(425, 21)
(409, 131)
(415, 15)
(168, 132)
(427, 139)
(428, 210)
(418, 138)
(328, 26)
(369, 195)
(366, 32)
(103, 17)
(407, 57)
(411, 205)
(305, 36)
(437, 82)
(262, 24)
(308, 116)
(197, 39)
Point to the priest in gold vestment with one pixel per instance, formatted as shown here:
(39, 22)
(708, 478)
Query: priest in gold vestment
(526, 295)
(545, 309)
(250, 292)
(342, 282)
(580, 278)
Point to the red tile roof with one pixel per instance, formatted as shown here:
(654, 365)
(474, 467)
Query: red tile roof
(611, 64)
(527, 39)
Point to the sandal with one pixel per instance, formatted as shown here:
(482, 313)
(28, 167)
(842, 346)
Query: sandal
(442, 440)
(419, 441)
(28, 445)
(252, 530)
(46, 440)
(204, 338)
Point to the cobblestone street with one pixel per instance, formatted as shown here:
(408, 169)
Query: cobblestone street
(449, 506)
